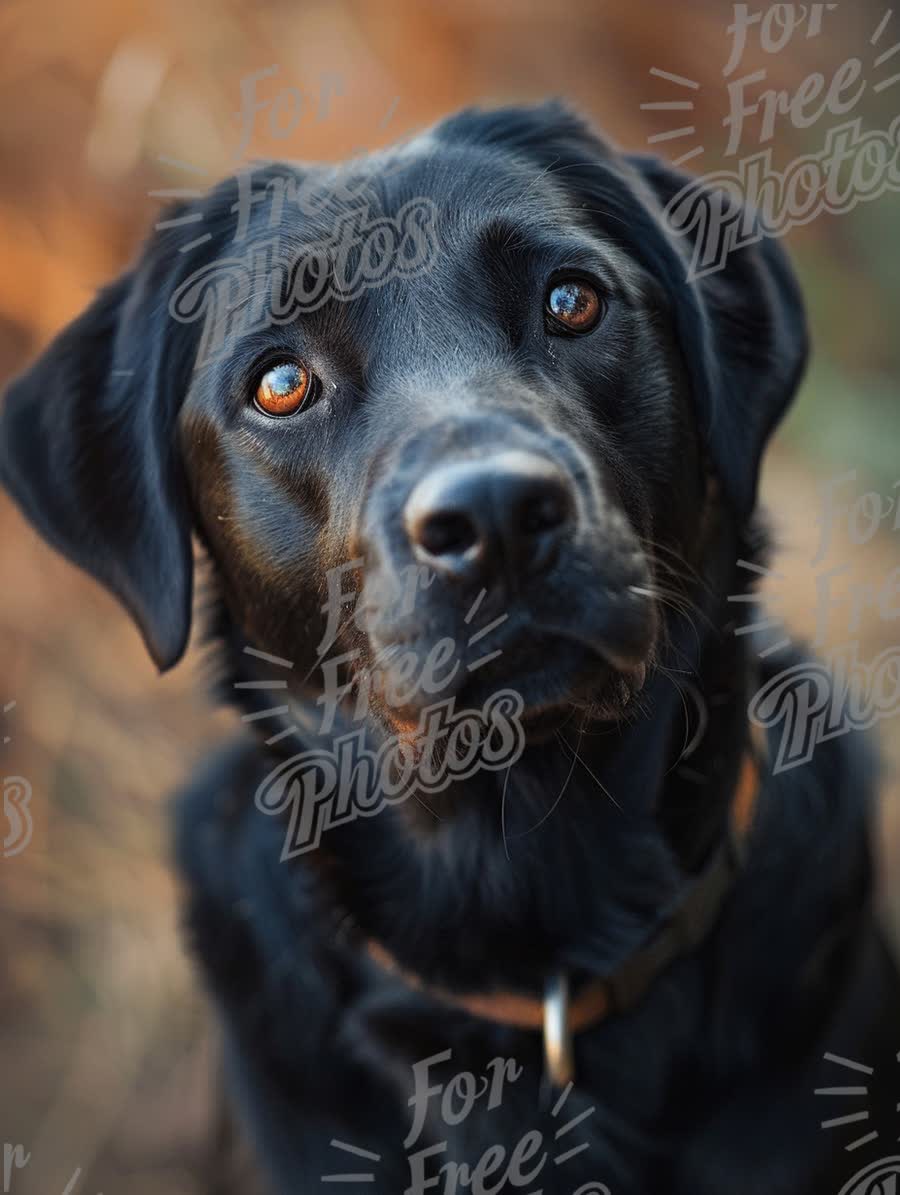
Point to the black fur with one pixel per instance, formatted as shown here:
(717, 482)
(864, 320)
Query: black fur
(119, 449)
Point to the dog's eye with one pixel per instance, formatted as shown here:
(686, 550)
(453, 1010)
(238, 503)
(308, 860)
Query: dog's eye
(284, 388)
(574, 305)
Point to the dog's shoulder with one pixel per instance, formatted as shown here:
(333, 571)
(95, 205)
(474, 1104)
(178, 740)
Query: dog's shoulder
(243, 908)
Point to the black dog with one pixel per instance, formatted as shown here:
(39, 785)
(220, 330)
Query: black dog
(492, 388)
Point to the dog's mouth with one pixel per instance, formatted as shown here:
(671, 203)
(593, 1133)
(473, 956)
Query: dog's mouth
(551, 672)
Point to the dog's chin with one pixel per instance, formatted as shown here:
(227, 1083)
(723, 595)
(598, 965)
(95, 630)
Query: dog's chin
(555, 681)
(601, 693)
(608, 699)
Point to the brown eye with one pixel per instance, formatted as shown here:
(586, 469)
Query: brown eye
(284, 388)
(575, 304)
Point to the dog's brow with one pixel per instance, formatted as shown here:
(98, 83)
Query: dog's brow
(557, 246)
(503, 233)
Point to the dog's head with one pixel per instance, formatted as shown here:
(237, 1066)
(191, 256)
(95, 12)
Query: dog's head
(484, 389)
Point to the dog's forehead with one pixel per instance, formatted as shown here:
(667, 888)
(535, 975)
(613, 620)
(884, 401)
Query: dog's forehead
(466, 184)
(464, 194)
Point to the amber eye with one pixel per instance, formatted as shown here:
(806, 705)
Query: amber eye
(575, 305)
(284, 388)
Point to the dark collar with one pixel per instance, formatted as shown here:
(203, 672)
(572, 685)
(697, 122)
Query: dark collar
(558, 1015)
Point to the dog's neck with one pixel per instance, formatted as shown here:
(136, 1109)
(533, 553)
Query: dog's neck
(571, 858)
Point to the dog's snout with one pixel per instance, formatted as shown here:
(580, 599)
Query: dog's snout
(503, 516)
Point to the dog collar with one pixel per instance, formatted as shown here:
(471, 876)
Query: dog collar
(560, 1015)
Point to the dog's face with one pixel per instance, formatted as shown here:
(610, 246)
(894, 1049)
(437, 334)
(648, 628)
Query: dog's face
(473, 432)
(494, 449)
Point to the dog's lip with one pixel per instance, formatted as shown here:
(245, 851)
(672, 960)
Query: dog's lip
(606, 684)
(628, 664)
(626, 658)
(604, 699)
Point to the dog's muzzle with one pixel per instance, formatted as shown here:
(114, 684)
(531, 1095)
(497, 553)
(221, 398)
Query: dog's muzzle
(534, 572)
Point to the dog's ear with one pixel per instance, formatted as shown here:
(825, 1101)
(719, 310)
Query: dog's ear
(87, 450)
(739, 314)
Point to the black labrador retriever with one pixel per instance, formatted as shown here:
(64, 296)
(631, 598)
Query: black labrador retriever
(496, 891)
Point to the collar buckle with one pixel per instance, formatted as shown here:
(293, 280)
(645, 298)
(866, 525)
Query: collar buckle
(559, 1061)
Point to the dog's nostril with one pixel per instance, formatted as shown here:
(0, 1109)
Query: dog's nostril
(446, 533)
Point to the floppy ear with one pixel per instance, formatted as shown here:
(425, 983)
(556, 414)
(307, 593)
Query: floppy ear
(87, 450)
(740, 319)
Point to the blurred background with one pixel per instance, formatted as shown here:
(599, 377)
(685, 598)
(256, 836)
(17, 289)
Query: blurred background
(103, 1038)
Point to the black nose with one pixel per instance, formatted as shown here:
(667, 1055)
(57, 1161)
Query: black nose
(479, 520)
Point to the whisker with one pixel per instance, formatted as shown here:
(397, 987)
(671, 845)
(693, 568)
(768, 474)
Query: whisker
(503, 813)
(541, 821)
(578, 759)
